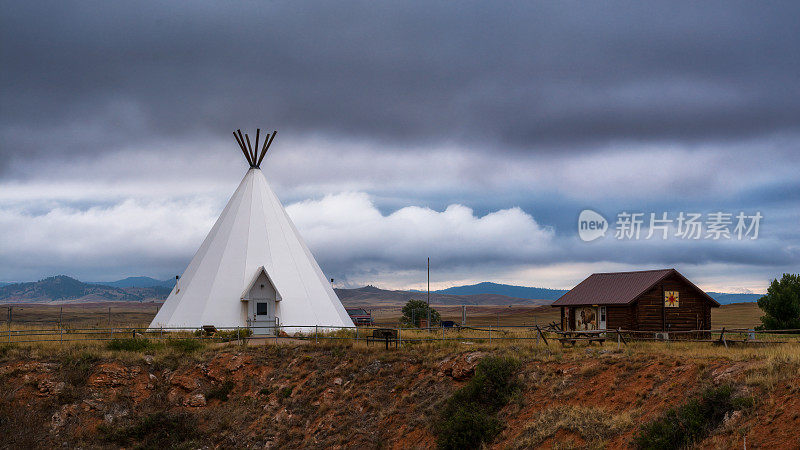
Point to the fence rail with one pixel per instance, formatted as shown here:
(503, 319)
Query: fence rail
(403, 335)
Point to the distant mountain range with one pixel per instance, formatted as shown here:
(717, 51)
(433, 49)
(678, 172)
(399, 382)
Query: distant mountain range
(726, 299)
(63, 289)
(486, 287)
(140, 282)
(536, 293)
(372, 296)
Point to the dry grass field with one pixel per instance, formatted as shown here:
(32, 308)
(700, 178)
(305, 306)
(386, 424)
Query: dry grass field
(86, 315)
(139, 315)
(736, 315)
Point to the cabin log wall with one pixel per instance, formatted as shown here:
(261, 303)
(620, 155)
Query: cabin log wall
(693, 311)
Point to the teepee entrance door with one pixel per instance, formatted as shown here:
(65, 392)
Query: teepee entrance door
(262, 298)
(262, 317)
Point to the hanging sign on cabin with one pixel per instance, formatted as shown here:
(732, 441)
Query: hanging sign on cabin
(585, 319)
(671, 299)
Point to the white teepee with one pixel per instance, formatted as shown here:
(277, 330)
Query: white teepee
(253, 269)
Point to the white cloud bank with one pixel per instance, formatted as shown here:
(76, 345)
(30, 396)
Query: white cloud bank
(348, 227)
(347, 233)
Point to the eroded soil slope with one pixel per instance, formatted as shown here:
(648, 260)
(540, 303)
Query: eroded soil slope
(339, 397)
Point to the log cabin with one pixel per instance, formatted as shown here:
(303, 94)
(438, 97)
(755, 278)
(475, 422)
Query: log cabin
(650, 300)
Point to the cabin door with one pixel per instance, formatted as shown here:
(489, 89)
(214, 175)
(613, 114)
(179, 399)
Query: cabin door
(601, 322)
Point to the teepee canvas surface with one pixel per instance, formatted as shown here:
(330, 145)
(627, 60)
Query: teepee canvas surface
(253, 269)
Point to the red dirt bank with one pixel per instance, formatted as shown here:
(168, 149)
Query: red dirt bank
(314, 397)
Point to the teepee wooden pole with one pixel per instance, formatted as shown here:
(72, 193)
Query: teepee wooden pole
(241, 138)
(241, 146)
(267, 143)
(249, 146)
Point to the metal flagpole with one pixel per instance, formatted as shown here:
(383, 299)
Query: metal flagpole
(429, 293)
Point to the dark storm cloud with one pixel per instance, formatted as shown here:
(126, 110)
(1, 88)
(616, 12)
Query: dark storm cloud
(551, 107)
(90, 76)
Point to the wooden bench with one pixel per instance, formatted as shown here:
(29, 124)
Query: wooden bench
(573, 340)
(384, 334)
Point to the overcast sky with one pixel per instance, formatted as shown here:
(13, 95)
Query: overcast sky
(470, 132)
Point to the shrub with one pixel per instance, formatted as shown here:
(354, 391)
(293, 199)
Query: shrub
(468, 417)
(130, 345)
(221, 392)
(158, 430)
(679, 427)
(232, 335)
(286, 392)
(76, 368)
(468, 427)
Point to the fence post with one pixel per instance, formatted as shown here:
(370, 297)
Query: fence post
(542, 335)
(238, 341)
(490, 334)
(399, 337)
(356, 333)
(316, 334)
(619, 341)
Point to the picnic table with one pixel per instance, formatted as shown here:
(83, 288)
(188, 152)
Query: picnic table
(384, 334)
(589, 336)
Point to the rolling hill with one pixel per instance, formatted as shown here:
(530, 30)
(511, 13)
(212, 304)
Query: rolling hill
(139, 282)
(373, 296)
(553, 294)
(508, 290)
(64, 289)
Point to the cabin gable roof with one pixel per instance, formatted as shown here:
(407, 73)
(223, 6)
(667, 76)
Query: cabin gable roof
(620, 288)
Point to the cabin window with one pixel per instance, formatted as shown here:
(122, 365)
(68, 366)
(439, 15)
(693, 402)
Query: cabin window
(262, 309)
(603, 314)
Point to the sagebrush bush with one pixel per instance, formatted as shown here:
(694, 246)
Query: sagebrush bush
(683, 425)
(158, 430)
(468, 419)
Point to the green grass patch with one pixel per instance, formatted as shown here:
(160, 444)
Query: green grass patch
(683, 425)
(468, 419)
(130, 345)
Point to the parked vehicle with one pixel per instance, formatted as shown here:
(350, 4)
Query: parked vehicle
(360, 316)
